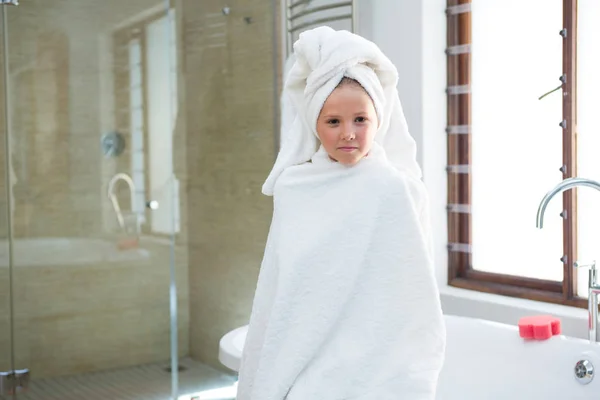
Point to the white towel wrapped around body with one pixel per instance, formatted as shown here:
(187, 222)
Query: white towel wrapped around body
(346, 305)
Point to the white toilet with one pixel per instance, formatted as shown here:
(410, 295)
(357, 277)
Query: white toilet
(231, 347)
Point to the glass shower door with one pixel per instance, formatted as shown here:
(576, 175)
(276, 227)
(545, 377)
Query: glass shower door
(90, 199)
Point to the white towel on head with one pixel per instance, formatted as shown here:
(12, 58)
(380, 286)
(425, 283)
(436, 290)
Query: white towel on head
(323, 57)
(286, 107)
(346, 305)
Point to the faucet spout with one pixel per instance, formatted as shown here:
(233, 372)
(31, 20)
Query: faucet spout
(565, 185)
(113, 198)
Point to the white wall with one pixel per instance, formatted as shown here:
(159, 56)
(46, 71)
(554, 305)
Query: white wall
(413, 34)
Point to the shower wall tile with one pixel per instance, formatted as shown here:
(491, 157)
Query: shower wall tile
(73, 344)
(95, 316)
(229, 108)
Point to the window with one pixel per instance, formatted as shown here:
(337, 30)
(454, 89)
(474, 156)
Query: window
(511, 139)
(146, 91)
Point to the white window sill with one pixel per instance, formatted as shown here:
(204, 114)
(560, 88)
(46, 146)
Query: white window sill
(455, 301)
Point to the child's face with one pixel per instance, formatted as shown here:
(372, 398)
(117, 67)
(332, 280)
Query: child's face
(347, 124)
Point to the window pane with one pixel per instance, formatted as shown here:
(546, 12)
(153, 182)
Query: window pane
(516, 139)
(588, 87)
(162, 185)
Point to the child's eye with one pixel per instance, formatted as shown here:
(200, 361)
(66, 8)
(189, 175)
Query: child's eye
(333, 121)
(360, 119)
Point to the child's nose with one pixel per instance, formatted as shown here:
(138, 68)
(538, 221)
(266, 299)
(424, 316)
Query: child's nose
(348, 133)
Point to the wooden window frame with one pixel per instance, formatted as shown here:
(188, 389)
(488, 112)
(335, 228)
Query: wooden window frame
(461, 273)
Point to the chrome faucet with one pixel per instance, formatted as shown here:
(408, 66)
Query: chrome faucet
(115, 202)
(593, 285)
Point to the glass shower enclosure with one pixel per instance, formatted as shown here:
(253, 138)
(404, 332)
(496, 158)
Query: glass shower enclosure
(89, 216)
(135, 136)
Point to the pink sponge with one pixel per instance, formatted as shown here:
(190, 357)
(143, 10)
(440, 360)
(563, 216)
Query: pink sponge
(539, 327)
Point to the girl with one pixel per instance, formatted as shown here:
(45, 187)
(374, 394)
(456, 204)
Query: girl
(346, 305)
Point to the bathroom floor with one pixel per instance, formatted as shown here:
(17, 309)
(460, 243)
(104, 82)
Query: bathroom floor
(147, 382)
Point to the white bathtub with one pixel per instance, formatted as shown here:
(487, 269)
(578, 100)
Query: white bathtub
(489, 361)
(66, 251)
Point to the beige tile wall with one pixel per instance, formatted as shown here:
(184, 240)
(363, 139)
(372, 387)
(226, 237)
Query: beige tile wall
(229, 111)
(96, 316)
